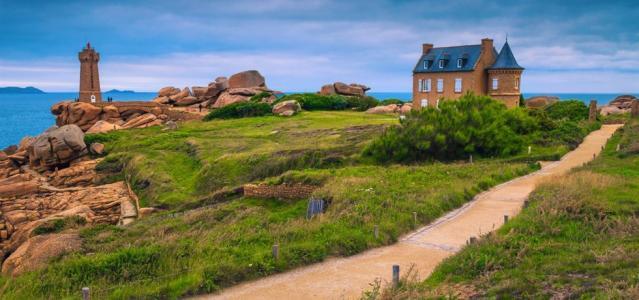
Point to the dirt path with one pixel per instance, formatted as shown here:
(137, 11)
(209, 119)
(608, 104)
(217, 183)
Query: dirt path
(346, 278)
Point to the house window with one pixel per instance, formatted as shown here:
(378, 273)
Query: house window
(440, 85)
(424, 102)
(420, 84)
(458, 85)
(427, 63)
(441, 63)
(426, 85)
(517, 83)
(460, 62)
(495, 83)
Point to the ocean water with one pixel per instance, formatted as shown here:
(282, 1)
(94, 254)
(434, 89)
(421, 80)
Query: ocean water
(29, 114)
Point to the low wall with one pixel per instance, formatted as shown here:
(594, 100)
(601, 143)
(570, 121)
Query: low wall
(282, 191)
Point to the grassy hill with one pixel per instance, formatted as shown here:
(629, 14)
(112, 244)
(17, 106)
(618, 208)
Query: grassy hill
(577, 239)
(228, 240)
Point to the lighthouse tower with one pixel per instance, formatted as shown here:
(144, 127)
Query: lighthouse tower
(89, 77)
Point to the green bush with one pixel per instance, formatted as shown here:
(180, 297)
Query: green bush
(573, 110)
(260, 96)
(472, 125)
(318, 102)
(391, 101)
(240, 110)
(361, 103)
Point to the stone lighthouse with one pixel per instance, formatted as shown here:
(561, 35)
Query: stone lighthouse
(89, 76)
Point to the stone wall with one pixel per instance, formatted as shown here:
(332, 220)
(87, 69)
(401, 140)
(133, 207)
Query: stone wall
(283, 191)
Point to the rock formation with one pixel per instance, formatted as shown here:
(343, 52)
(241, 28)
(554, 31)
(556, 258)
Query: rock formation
(384, 109)
(340, 88)
(47, 178)
(620, 105)
(239, 87)
(86, 115)
(287, 108)
(540, 101)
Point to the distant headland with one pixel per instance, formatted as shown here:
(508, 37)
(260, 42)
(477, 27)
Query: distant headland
(19, 90)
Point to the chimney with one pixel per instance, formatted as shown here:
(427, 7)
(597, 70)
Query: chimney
(426, 48)
(487, 45)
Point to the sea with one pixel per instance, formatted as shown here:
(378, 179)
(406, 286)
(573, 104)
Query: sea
(29, 114)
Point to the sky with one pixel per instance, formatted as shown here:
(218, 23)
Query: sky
(566, 46)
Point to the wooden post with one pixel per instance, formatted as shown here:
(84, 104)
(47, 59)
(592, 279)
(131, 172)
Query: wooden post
(529, 150)
(505, 219)
(594, 155)
(85, 293)
(634, 109)
(592, 113)
(395, 275)
(526, 203)
(472, 240)
(415, 217)
(276, 251)
(470, 159)
(376, 231)
(618, 147)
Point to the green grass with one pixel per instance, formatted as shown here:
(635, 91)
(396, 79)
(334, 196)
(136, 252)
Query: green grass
(169, 255)
(174, 168)
(579, 238)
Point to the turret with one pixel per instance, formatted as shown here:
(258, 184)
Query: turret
(504, 77)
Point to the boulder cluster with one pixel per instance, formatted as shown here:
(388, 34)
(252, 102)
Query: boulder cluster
(102, 118)
(402, 109)
(223, 91)
(620, 105)
(540, 101)
(48, 178)
(340, 88)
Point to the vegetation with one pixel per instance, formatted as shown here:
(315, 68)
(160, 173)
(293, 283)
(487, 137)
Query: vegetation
(391, 101)
(361, 103)
(480, 126)
(472, 125)
(577, 239)
(224, 241)
(240, 110)
(318, 102)
(204, 250)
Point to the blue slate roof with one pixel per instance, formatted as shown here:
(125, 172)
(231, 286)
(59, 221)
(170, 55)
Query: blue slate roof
(469, 53)
(506, 59)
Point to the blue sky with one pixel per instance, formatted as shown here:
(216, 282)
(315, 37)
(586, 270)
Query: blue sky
(572, 46)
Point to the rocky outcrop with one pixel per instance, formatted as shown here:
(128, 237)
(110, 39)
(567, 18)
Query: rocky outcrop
(287, 108)
(620, 105)
(340, 88)
(87, 115)
(219, 93)
(384, 109)
(36, 252)
(541, 101)
(406, 108)
(57, 147)
(103, 126)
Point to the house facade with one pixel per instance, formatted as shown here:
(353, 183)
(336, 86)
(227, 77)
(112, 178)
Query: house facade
(449, 72)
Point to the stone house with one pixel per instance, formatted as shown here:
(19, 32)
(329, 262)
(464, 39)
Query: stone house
(449, 72)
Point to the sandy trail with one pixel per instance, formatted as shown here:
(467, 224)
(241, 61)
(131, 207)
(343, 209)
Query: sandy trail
(348, 277)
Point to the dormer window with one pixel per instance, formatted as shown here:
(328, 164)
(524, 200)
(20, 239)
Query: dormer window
(428, 63)
(441, 63)
(460, 62)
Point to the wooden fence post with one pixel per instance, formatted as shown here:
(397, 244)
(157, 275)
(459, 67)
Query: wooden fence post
(415, 217)
(276, 251)
(395, 275)
(85, 293)
(505, 219)
(376, 231)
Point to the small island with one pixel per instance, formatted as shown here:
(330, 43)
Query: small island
(114, 91)
(19, 90)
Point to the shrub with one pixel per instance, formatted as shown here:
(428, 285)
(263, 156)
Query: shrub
(260, 96)
(318, 102)
(240, 110)
(471, 125)
(573, 110)
(391, 101)
(361, 103)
